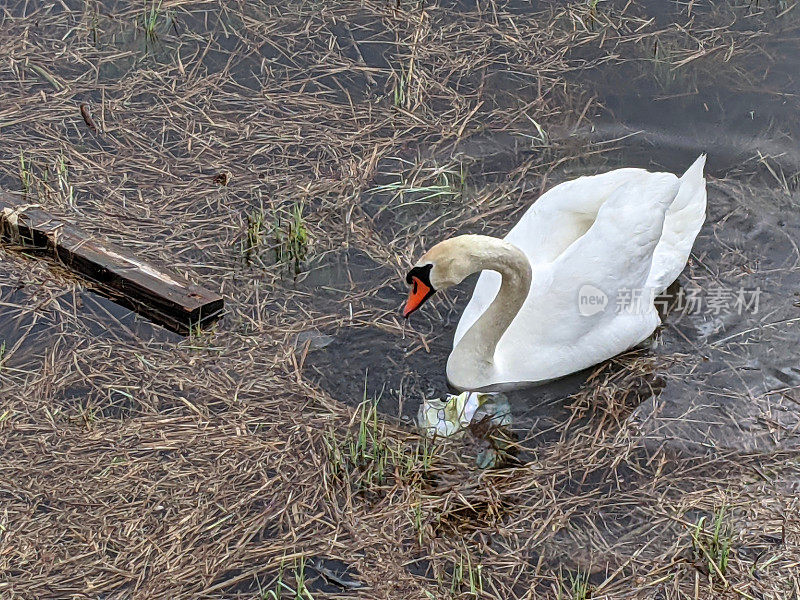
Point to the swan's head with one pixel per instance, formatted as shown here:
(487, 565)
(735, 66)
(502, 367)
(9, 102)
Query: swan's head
(447, 264)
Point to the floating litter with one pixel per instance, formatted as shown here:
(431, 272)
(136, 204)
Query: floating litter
(451, 416)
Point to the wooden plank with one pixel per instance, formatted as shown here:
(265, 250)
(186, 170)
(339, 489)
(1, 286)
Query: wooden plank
(157, 293)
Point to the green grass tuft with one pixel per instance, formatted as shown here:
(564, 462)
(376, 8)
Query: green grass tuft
(25, 173)
(400, 92)
(712, 548)
(467, 578)
(151, 18)
(575, 588)
(256, 234)
(300, 590)
(37, 185)
(291, 237)
(363, 457)
(287, 235)
(367, 459)
(592, 18)
(64, 187)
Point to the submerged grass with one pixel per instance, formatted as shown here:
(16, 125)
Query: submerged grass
(427, 184)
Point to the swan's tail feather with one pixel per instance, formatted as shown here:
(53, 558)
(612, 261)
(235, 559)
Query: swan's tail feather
(682, 223)
(692, 186)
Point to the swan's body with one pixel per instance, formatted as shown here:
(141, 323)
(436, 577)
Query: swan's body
(623, 235)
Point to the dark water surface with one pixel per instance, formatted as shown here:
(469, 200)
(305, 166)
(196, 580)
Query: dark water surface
(736, 367)
(658, 105)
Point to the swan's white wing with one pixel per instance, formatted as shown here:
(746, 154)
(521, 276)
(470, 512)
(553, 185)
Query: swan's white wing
(548, 227)
(613, 259)
(564, 213)
(554, 334)
(551, 335)
(683, 221)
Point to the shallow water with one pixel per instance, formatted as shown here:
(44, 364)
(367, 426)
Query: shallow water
(661, 118)
(295, 100)
(658, 105)
(31, 320)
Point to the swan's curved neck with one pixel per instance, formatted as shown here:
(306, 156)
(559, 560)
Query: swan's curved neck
(472, 360)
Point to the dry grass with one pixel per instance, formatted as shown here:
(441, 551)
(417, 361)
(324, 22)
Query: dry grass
(206, 135)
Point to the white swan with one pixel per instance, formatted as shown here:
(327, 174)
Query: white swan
(572, 284)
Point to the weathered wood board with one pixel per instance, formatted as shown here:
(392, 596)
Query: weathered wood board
(160, 295)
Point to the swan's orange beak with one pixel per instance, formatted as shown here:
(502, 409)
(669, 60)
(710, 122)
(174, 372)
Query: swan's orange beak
(419, 292)
(419, 278)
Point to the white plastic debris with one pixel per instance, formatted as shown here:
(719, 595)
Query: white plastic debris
(444, 418)
(449, 417)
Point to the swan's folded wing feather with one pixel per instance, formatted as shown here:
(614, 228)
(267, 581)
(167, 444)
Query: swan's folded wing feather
(682, 223)
(561, 218)
(565, 212)
(548, 227)
(613, 258)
